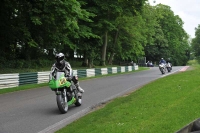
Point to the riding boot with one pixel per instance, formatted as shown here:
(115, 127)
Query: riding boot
(79, 88)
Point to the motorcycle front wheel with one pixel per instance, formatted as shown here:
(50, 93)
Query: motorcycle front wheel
(62, 105)
(162, 70)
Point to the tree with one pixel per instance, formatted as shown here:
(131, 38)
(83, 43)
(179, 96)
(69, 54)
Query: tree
(170, 40)
(38, 25)
(105, 20)
(196, 43)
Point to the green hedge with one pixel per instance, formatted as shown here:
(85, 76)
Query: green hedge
(27, 63)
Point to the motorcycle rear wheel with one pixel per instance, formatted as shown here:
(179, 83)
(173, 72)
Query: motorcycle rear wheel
(78, 101)
(169, 69)
(78, 98)
(62, 105)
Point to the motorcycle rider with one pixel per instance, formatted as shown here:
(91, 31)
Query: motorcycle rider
(162, 61)
(65, 67)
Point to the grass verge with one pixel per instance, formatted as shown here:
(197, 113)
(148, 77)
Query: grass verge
(165, 105)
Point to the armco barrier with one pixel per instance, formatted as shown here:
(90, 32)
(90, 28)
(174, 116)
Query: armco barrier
(17, 79)
(28, 78)
(9, 80)
(193, 127)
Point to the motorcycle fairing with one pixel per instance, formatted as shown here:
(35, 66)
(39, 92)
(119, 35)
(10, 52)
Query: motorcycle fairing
(59, 81)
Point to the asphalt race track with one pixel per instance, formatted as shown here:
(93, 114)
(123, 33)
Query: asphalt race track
(35, 110)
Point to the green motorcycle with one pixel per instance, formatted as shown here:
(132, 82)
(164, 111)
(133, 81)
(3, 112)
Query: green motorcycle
(66, 92)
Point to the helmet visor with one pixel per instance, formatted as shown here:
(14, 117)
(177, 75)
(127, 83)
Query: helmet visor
(59, 59)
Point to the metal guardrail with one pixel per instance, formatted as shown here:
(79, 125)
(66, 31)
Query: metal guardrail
(193, 127)
(17, 79)
(9, 80)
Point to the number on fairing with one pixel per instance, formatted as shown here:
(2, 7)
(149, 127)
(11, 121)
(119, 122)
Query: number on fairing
(62, 81)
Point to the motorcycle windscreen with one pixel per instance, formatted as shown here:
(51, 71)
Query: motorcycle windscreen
(59, 75)
(161, 65)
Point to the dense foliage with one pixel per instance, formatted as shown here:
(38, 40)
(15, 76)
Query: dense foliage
(196, 44)
(32, 31)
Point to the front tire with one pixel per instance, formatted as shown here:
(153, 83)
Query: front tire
(62, 105)
(162, 70)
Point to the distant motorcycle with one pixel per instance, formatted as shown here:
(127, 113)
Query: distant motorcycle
(162, 68)
(169, 67)
(149, 64)
(66, 92)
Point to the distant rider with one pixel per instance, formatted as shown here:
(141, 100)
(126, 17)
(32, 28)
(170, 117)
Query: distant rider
(162, 61)
(65, 67)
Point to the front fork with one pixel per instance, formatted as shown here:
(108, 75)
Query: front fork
(64, 94)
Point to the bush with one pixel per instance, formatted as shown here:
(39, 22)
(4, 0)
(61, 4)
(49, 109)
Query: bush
(2, 60)
(19, 63)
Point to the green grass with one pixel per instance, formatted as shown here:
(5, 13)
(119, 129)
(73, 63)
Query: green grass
(32, 86)
(163, 106)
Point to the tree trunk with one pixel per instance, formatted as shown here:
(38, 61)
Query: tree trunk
(111, 58)
(104, 50)
(91, 63)
(85, 61)
(114, 45)
(50, 54)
